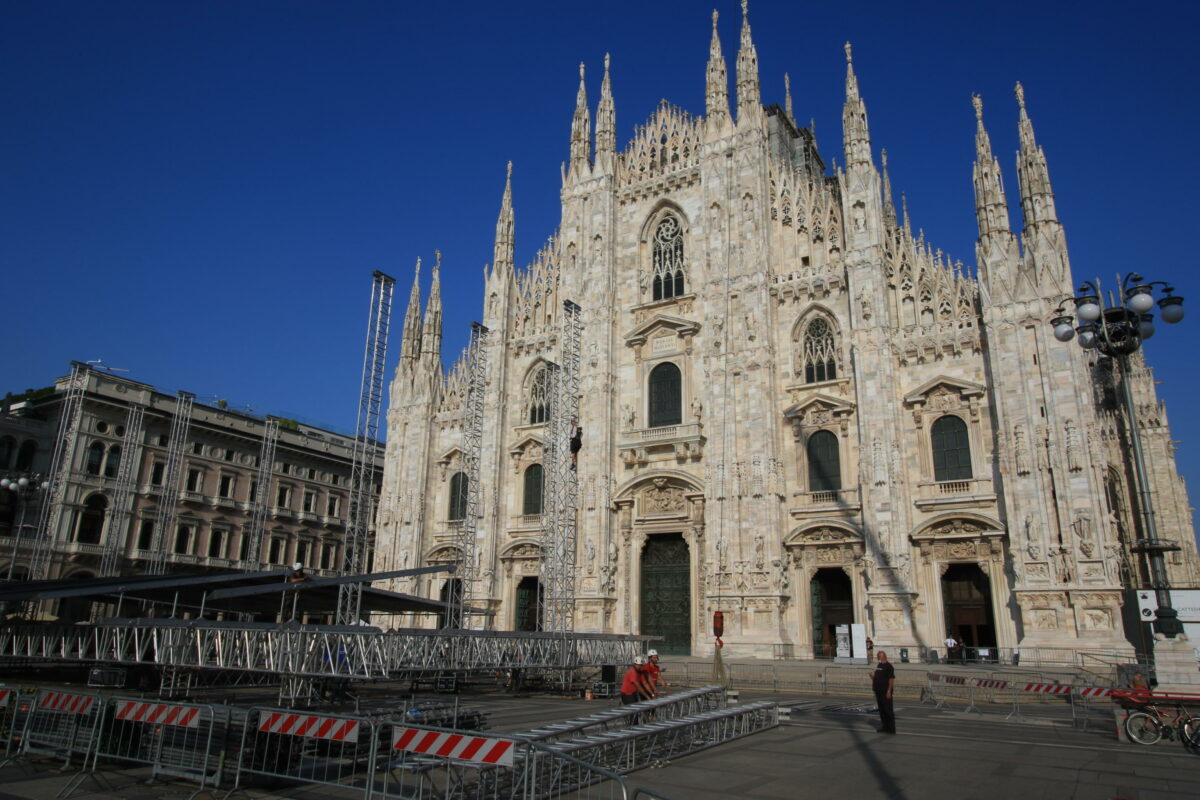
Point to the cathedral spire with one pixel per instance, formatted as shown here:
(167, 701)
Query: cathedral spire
(581, 134)
(787, 98)
(1037, 198)
(606, 126)
(410, 342)
(431, 333)
(856, 137)
(502, 252)
(749, 98)
(991, 208)
(716, 93)
(889, 208)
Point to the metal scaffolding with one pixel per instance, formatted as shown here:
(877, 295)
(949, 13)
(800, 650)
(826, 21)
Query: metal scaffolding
(562, 483)
(169, 504)
(61, 464)
(116, 537)
(477, 368)
(362, 467)
(304, 650)
(252, 549)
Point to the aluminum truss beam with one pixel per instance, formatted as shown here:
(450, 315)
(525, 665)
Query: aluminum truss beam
(262, 493)
(116, 538)
(477, 367)
(61, 464)
(304, 651)
(366, 444)
(165, 527)
(562, 482)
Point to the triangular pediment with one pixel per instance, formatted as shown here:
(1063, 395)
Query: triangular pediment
(453, 455)
(819, 402)
(943, 384)
(661, 322)
(522, 444)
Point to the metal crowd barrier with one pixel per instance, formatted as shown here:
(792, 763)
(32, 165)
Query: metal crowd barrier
(966, 693)
(326, 749)
(178, 740)
(14, 711)
(62, 725)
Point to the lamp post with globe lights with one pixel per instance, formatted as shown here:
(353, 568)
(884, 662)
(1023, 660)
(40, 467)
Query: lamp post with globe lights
(1116, 329)
(25, 488)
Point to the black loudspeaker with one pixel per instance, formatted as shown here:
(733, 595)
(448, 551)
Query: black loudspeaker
(608, 673)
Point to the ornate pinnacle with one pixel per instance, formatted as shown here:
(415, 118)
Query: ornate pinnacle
(1019, 90)
(977, 101)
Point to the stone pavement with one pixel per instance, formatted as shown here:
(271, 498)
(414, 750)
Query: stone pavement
(828, 749)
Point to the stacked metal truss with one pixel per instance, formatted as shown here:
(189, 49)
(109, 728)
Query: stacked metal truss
(363, 458)
(122, 504)
(561, 495)
(262, 493)
(61, 464)
(304, 651)
(180, 424)
(472, 445)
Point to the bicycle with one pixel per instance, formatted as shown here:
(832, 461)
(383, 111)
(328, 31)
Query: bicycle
(1151, 724)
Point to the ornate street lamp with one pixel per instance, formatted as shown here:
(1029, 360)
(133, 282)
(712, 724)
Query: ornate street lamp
(25, 487)
(1117, 329)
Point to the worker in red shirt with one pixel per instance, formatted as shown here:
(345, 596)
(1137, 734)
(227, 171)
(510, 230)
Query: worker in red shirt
(634, 687)
(654, 673)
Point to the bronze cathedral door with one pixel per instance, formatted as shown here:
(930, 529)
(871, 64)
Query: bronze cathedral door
(666, 593)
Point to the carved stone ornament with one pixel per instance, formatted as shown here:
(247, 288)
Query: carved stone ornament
(662, 498)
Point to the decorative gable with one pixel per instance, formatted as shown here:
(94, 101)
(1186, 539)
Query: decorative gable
(819, 411)
(945, 394)
(674, 332)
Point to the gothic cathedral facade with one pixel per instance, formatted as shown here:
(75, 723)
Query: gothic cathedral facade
(795, 411)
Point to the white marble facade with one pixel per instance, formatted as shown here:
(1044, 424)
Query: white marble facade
(852, 407)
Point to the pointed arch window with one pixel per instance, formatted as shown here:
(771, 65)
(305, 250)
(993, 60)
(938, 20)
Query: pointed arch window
(818, 352)
(666, 396)
(824, 463)
(534, 484)
(951, 449)
(537, 396)
(668, 272)
(458, 497)
(113, 463)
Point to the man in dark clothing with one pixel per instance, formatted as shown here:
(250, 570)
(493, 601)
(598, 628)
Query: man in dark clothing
(883, 680)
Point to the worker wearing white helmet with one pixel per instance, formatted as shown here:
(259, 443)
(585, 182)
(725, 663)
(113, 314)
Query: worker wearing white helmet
(634, 686)
(654, 673)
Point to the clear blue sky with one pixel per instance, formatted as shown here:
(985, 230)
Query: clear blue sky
(198, 191)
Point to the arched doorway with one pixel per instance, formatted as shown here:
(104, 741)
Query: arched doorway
(528, 612)
(967, 597)
(451, 595)
(832, 605)
(666, 606)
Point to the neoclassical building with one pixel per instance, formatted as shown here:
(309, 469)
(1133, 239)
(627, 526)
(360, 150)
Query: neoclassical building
(795, 410)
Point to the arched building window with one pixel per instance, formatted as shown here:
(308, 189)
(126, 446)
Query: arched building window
(666, 395)
(824, 463)
(7, 445)
(458, 497)
(534, 482)
(91, 520)
(25, 455)
(818, 352)
(951, 449)
(95, 458)
(537, 396)
(668, 271)
(113, 462)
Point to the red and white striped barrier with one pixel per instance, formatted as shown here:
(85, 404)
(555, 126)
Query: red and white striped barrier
(64, 701)
(4, 693)
(475, 749)
(990, 683)
(158, 713)
(1048, 688)
(312, 726)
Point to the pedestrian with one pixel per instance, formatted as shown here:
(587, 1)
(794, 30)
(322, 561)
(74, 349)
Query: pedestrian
(654, 673)
(951, 647)
(634, 688)
(883, 681)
